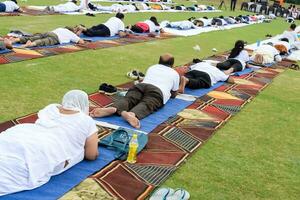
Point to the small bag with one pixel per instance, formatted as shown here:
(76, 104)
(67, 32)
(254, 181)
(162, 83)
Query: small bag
(119, 141)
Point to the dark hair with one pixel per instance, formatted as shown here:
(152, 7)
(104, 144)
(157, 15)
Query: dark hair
(15, 1)
(74, 1)
(154, 20)
(120, 16)
(284, 40)
(167, 62)
(293, 26)
(205, 17)
(238, 47)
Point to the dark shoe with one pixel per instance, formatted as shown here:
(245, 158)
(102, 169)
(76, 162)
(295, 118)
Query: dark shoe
(107, 89)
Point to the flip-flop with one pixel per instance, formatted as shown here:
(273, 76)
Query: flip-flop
(179, 194)
(295, 67)
(161, 194)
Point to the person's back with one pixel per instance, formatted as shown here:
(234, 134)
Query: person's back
(214, 73)
(115, 25)
(65, 36)
(32, 153)
(10, 6)
(163, 77)
(291, 36)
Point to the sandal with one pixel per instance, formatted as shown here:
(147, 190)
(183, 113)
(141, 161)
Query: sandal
(179, 194)
(162, 194)
(136, 75)
(107, 89)
(294, 67)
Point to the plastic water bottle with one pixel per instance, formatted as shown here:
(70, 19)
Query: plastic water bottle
(258, 43)
(133, 148)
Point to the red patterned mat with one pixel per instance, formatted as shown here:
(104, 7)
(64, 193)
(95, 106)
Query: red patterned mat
(172, 142)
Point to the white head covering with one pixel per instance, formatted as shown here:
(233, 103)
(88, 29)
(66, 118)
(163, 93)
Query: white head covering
(76, 100)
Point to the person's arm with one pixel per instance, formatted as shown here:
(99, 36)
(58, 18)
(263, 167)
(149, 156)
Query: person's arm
(230, 80)
(123, 34)
(91, 147)
(81, 41)
(174, 94)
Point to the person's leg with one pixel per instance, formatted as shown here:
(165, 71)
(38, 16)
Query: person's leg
(99, 30)
(231, 4)
(132, 98)
(234, 4)
(32, 38)
(197, 80)
(47, 39)
(151, 101)
(136, 29)
(224, 65)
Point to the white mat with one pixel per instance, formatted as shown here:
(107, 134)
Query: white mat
(200, 30)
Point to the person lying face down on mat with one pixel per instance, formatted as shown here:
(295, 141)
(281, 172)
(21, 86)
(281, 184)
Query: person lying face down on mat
(292, 36)
(5, 44)
(266, 54)
(63, 135)
(57, 36)
(161, 83)
(185, 25)
(10, 6)
(203, 74)
(237, 60)
(70, 6)
(113, 26)
(148, 26)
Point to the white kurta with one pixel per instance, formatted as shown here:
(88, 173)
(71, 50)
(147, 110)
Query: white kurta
(31, 153)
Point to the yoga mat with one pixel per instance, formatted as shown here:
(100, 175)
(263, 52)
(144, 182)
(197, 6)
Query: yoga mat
(94, 39)
(201, 92)
(5, 51)
(245, 71)
(171, 108)
(62, 183)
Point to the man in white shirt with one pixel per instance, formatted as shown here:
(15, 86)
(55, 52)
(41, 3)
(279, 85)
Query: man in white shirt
(57, 36)
(204, 75)
(265, 54)
(113, 26)
(292, 36)
(10, 6)
(66, 7)
(183, 25)
(161, 83)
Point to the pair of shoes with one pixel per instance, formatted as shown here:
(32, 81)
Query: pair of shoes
(295, 67)
(90, 15)
(269, 36)
(170, 194)
(107, 89)
(136, 75)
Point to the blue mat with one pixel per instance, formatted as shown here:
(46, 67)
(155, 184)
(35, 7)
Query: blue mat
(95, 39)
(152, 121)
(262, 65)
(201, 92)
(245, 71)
(62, 183)
(5, 51)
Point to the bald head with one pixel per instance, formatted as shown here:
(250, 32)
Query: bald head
(167, 60)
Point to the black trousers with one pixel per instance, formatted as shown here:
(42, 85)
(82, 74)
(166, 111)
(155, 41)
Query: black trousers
(235, 64)
(232, 5)
(198, 79)
(99, 30)
(137, 29)
(142, 99)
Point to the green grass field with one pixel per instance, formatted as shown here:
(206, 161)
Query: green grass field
(256, 155)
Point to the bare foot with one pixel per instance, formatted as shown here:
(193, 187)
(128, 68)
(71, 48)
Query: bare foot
(131, 119)
(8, 44)
(183, 82)
(229, 71)
(103, 112)
(28, 44)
